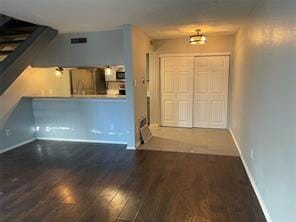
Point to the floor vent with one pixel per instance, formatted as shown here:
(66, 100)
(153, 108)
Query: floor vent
(144, 130)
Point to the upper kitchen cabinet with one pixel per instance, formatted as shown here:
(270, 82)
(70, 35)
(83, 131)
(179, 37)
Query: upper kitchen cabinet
(83, 50)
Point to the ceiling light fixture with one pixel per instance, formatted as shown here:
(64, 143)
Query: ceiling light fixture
(198, 39)
(108, 70)
(59, 72)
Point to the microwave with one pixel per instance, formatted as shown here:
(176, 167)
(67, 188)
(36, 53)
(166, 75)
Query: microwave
(120, 75)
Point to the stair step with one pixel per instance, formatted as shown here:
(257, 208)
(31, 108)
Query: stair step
(15, 35)
(25, 28)
(5, 52)
(10, 43)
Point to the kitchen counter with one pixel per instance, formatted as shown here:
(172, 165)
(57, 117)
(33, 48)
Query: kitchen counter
(101, 118)
(113, 97)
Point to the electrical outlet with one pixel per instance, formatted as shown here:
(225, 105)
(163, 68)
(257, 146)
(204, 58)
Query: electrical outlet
(252, 154)
(8, 132)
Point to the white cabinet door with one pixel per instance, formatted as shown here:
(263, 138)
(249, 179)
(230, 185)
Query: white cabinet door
(176, 91)
(211, 91)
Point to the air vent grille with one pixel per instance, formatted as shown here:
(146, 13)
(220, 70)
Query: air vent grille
(78, 40)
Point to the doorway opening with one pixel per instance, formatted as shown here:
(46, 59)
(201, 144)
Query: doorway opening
(193, 98)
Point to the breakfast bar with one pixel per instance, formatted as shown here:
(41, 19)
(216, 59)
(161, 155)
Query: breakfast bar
(85, 118)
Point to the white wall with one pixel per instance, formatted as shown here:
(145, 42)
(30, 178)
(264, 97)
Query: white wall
(43, 81)
(221, 43)
(140, 46)
(263, 110)
(215, 44)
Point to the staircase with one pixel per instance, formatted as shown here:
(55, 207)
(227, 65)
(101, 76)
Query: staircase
(20, 43)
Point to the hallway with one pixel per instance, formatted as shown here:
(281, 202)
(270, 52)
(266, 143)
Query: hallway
(191, 140)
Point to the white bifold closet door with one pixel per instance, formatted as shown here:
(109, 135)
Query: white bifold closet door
(194, 91)
(177, 91)
(210, 91)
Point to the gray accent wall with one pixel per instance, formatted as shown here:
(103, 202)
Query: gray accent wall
(21, 125)
(94, 120)
(102, 48)
(129, 84)
(90, 120)
(263, 108)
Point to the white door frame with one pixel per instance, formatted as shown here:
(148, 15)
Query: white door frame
(194, 54)
(186, 55)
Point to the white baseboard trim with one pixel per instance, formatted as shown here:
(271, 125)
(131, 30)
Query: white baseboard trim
(134, 148)
(79, 140)
(17, 145)
(251, 178)
(90, 141)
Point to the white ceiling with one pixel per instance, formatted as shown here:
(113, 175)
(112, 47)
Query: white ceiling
(158, 18)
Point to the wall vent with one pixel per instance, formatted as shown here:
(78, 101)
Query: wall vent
(144, 130)
(78, 40)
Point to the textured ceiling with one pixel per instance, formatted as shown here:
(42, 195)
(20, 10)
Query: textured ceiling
(158, 18)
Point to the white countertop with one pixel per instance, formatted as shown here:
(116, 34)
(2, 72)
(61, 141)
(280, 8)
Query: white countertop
(115, 97)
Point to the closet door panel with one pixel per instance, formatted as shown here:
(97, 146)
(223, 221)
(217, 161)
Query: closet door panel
(177, 89)
(211, 91)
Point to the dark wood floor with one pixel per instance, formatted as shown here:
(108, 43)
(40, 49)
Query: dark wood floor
(61, 181)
